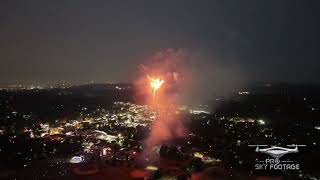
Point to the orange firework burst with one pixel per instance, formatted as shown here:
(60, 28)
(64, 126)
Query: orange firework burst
(155, 84)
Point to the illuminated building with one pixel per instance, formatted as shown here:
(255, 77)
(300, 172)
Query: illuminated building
(76, 159)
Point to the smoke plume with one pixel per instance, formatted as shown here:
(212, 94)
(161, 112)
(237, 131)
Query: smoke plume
(190, 78)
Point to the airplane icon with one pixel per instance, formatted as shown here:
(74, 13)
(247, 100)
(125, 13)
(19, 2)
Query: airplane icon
(276, 152)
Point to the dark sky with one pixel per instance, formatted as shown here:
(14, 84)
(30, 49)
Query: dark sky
(271, 40)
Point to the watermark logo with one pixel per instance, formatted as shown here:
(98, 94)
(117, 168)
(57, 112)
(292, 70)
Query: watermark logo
(276, 153)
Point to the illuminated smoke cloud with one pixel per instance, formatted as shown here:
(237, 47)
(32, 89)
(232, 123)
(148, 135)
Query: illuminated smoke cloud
(166, 65)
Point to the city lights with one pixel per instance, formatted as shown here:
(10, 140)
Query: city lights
(261, 122)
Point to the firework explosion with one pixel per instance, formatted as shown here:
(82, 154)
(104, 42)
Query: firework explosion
(155, 84)
(160, 79)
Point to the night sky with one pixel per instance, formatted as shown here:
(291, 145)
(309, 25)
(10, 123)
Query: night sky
(79, 40)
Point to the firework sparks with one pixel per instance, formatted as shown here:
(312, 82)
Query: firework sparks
(155, 84)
